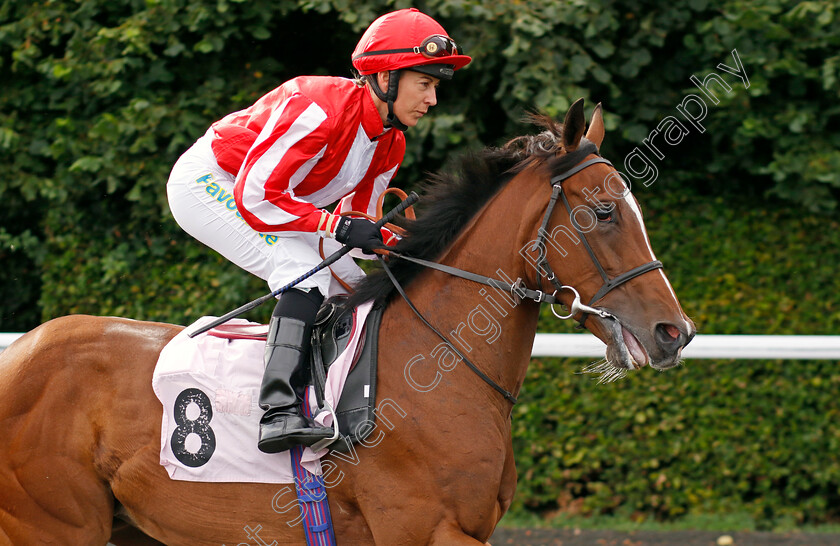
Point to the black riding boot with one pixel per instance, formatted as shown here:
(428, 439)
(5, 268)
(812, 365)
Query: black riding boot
(286, 374)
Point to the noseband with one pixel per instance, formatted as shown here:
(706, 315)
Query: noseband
(542, 261)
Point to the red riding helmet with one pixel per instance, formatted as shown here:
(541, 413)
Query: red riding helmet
(408, 38)
(405, 39)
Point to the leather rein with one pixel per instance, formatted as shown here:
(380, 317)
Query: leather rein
(518, 290)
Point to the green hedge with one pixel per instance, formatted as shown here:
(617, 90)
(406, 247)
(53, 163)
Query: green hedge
(713, 436)
(98, 99)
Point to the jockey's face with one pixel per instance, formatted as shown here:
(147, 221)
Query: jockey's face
(417, 93)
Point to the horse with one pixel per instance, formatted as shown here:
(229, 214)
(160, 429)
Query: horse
(81, 427)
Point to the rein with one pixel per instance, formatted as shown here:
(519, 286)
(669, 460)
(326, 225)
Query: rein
(506, 394)
(518, 290)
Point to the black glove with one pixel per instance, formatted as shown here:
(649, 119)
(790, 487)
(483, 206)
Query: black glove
(358, 233)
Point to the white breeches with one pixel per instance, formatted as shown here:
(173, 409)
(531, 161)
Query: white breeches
(201, 200)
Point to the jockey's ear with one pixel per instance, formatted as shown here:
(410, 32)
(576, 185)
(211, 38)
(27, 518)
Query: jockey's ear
(383, 78)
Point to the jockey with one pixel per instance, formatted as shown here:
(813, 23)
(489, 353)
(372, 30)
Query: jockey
(255, 187)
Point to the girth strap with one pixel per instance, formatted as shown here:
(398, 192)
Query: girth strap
(507, 395)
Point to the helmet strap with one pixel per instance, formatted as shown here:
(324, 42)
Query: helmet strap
(388, 97)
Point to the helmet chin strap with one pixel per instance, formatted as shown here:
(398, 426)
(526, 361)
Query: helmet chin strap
(389, 97)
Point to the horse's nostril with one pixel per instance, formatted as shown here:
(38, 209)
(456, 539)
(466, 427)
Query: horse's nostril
(668, 335)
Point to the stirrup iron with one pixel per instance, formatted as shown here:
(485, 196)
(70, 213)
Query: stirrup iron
(321, 444)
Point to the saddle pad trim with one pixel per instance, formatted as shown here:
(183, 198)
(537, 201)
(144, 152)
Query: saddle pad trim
(240, 331)
(226, 335)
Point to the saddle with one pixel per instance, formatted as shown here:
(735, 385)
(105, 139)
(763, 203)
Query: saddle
(331, 334)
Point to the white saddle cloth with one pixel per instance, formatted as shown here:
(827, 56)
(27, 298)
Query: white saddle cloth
(209, 387)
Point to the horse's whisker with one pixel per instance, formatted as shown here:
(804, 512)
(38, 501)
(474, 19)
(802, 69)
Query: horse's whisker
(607, 372)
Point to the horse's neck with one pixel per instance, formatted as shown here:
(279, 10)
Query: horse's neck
(491, 328)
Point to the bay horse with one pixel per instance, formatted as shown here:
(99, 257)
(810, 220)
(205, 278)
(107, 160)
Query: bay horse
(81, 427)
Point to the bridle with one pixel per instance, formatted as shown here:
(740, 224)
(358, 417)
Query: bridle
(517, 289)
(542, 260)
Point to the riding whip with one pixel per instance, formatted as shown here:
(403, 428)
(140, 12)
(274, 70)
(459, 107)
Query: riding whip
(331, 259)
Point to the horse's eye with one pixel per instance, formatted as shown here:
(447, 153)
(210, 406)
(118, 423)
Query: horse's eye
(604, 214)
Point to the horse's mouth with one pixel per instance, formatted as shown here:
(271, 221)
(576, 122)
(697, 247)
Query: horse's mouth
(624, 354)
(624, 350)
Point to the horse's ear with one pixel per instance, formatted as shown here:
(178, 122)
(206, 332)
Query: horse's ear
(573, 126)
(595, 133)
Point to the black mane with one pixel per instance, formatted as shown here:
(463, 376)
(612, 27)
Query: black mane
(451, 198)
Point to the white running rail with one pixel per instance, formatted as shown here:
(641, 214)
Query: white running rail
(703, 346)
